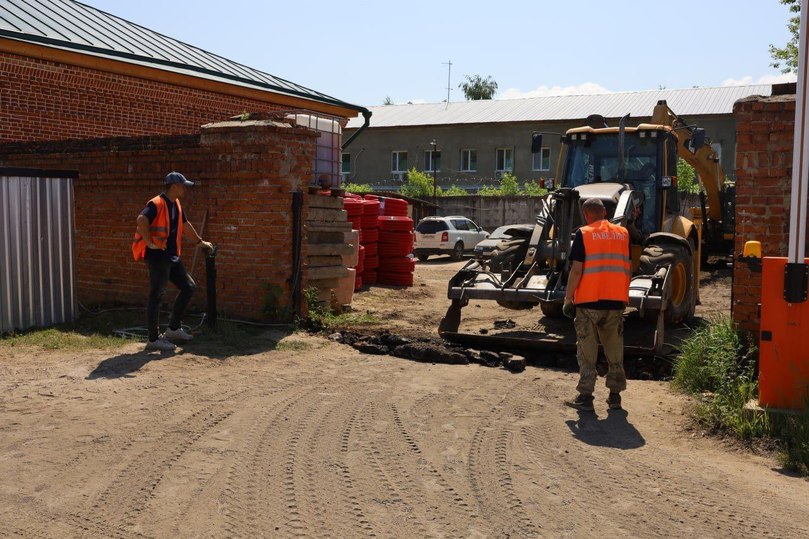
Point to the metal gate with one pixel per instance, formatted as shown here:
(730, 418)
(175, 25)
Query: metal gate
(37, 254)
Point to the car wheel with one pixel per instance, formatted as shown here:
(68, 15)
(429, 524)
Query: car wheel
(457, 251)
(423, 258)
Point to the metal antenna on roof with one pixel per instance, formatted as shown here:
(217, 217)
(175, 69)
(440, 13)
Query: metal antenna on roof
(449, 86)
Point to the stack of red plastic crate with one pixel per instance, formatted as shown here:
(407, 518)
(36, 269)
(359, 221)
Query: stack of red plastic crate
(369, 237)
(396, 263)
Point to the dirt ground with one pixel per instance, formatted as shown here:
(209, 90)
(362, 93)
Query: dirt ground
(307, 437)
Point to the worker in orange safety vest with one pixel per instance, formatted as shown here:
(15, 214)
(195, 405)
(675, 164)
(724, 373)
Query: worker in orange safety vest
(158, 241)
(596, 295)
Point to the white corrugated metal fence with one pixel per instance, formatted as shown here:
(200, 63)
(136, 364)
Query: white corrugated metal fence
(37, 254)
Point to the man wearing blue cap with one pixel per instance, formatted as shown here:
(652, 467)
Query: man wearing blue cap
(158, 241)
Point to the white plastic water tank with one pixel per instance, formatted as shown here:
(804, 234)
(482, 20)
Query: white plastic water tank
(328, 156)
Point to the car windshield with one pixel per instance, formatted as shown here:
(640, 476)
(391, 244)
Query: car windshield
(431, 227)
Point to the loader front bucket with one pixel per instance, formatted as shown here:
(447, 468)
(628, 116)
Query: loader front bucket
(560, 336)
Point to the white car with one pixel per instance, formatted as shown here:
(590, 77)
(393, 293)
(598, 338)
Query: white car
(453, 235)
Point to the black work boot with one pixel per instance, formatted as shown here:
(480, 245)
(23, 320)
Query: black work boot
(581, 402)
(614, 401)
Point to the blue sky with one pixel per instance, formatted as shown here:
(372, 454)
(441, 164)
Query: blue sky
(361, 51)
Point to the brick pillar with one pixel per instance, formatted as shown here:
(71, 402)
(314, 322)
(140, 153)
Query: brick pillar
(764, 138)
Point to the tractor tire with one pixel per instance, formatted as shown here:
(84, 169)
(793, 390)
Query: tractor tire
(457, 251)
(551, 310)
(508, 258)
(683, 299)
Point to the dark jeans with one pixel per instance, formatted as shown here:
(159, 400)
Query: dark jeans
(160, 273)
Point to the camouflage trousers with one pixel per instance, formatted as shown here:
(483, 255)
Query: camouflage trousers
(592, 326)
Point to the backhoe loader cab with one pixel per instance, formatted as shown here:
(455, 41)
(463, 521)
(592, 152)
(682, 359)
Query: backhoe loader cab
(648, 168)
(632, 170)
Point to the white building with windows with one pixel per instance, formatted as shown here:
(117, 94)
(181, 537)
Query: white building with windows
(474, 143)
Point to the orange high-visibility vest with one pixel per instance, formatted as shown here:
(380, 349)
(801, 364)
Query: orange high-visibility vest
(159, 228)
(607, 264)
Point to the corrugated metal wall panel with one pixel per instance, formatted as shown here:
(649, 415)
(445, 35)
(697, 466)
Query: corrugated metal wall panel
(37, 254)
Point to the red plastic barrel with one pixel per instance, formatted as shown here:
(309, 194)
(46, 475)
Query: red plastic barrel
(394, 223)
(371, 262)
(369, 277)
(361, 260)
(393, 207)
(394, 250)
(398, 264)
(395, 279)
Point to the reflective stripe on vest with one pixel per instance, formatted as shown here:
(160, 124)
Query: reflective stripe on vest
(607, 264)
(159, 228)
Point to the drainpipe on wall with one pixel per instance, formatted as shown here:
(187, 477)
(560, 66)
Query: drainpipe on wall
(365, 114)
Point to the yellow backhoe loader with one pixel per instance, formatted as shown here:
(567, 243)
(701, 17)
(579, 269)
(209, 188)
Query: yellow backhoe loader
(632, 170)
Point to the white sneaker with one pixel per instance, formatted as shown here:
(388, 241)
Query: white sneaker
(160, 344)
(178, 335)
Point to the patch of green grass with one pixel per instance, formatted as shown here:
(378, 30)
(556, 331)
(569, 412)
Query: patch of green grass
(713, 358)
(321, 318)
(793, 433)
(62, 338)
(288, 345)
(717, 366)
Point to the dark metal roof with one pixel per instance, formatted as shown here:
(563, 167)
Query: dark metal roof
(71, 25)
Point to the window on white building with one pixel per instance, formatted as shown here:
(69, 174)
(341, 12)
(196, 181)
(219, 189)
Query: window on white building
(504, 160)
(432, 160)
(542, 160)
(398, 161)
(469, 160)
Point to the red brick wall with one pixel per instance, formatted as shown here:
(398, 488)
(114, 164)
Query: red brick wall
(764, 138)
(44, 100)
(246, 174)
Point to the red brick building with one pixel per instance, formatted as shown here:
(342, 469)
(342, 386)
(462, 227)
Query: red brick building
(82, 90)
(71, 71)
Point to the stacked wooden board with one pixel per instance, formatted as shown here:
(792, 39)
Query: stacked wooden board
(326, 225)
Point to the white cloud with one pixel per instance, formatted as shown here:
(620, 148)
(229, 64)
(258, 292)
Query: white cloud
(764, 79)
(586, 88)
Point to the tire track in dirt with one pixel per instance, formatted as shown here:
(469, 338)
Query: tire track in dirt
(59, 525)
(492, 482)
(388, 481)
(414, 487)
(348, 491)
(218, 486)
(322, 456)
(683, 502)
(123, 501)
(241, 496)
(74, 478)
(460, 509)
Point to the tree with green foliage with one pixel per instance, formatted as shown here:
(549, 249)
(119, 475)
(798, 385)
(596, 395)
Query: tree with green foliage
(455, 191)
(534, 188)
(786, 58)
(686, 178)
(510, 186)
(419, 185)
(358, 188)
(476, 88)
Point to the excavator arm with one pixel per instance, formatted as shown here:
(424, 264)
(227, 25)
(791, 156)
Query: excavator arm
(703, 158)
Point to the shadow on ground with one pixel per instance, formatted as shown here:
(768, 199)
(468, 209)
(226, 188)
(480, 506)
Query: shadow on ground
(613, 431)
(227, 340)
(124, 365)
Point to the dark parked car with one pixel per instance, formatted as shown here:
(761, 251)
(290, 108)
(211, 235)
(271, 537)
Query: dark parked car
(503, 240)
